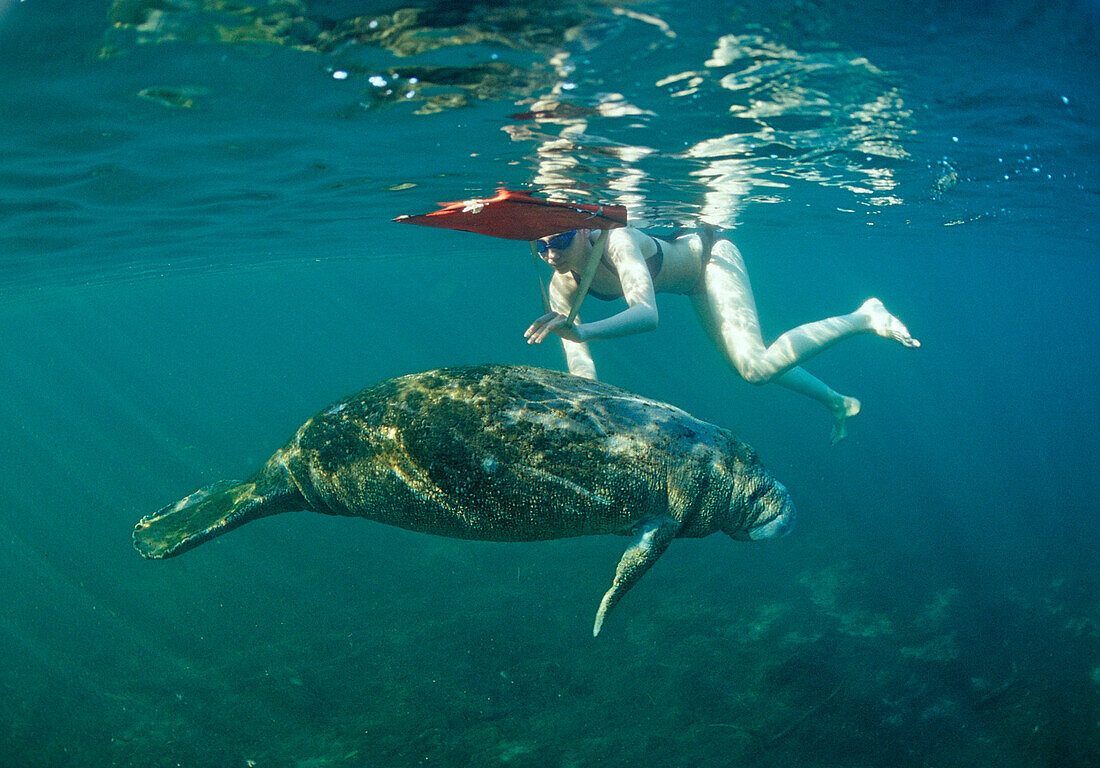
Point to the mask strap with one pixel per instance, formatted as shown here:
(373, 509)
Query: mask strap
(589, 272)
(542, 285)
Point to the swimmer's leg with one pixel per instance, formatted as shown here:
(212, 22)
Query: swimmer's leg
(728, 310)
(799, 380)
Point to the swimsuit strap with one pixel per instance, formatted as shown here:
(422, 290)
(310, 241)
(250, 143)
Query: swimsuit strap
(657, 260)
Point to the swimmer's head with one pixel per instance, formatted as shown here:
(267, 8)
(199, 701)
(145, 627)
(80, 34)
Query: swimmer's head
(558, 242)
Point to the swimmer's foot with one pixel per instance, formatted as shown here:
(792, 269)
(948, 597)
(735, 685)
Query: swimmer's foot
(848, 407)
(883, 324)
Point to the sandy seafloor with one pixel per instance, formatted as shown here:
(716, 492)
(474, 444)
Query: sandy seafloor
(196, 254)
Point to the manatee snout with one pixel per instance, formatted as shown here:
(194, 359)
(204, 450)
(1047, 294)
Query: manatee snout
(771, 515)
(777, 514)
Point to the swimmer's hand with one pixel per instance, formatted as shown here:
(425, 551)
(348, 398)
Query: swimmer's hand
(552, 322)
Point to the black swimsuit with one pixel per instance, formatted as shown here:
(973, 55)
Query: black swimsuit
(653, 263)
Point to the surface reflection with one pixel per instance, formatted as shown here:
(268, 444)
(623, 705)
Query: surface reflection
(615, 102)
(771, 114)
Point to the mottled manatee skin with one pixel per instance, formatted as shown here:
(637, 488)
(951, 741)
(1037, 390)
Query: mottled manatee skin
(500, 453)
(512, 453)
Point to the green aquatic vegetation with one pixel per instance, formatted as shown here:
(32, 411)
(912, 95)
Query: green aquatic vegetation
(175, 98)
(941, 648)
(830, 590)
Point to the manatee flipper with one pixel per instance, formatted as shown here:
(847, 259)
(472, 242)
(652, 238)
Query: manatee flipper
(654, 536)
(209, 512)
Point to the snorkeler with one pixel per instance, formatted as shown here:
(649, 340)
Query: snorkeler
(636, 266)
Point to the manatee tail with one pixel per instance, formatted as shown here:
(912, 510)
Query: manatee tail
(206, 513)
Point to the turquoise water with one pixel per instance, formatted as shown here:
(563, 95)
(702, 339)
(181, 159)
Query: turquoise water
(196, 254)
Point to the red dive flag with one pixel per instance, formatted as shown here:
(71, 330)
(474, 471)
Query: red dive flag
(518, 216)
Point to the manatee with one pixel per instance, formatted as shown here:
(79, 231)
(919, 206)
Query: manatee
(501, 453)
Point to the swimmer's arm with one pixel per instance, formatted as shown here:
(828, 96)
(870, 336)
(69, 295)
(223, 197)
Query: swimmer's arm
(640, 315)
(577, 355)
(579, 359)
